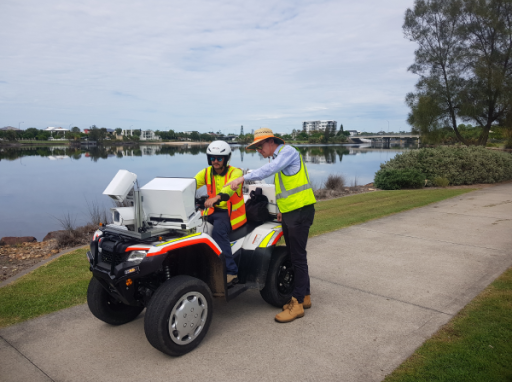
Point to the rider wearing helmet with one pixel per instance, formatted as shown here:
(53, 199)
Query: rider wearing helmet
(230, 212)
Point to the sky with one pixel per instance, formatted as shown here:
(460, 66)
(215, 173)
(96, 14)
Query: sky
(204, 65)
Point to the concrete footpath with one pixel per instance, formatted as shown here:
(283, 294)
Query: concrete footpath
(379, 290)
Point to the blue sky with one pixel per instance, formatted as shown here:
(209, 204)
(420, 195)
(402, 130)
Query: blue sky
(204, 65)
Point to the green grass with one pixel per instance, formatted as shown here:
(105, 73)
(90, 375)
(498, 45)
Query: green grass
(63, 283)
(476, 345)
(57, 285)
(343, 212)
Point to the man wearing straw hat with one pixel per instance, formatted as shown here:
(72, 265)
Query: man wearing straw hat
(295, 200)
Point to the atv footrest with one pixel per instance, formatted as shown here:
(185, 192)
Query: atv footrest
(235, 291)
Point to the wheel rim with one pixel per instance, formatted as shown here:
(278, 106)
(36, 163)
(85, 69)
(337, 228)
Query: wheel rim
(188, 318)
(285, 277)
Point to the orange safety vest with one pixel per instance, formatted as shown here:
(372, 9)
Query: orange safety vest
(236, 204)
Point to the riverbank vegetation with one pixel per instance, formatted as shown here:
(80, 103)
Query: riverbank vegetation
(463, 60)
(63, 282)
(455, 165)
(104, 136)
(476, 345)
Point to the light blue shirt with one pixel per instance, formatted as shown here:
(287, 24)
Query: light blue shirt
(287, 160)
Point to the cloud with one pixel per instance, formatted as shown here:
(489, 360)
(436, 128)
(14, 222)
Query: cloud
(206, 66)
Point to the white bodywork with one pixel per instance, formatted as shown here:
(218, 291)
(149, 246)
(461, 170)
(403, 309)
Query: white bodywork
(121, 185)
(174, 199)
(169, 198)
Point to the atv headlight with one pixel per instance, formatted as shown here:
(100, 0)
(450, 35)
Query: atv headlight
(137, 256)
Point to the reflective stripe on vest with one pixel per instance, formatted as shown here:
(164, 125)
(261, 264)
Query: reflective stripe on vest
(293, 191)
(235, 204)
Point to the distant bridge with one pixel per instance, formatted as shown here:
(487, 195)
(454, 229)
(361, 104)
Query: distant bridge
(383, 137)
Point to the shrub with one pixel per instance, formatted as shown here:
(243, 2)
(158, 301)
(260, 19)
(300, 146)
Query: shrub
(441, 182)
(396, 179)
(461, 165)
(334, 182)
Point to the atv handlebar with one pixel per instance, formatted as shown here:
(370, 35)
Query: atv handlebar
(200, 202)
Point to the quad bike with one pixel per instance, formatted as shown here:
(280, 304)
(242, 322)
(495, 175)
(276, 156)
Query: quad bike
(158, 254)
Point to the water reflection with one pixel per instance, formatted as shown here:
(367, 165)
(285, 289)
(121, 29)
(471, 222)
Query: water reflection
(311, 153)
(56, 180)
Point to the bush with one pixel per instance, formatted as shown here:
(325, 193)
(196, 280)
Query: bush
(461, 165)
(441, 182)
(396, 179)
(334, 182)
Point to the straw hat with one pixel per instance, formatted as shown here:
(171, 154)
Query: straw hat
(262, 134)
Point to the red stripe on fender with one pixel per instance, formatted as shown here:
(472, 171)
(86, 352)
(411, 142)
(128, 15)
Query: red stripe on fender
(186, 243)
(136, 249)
(277, 238)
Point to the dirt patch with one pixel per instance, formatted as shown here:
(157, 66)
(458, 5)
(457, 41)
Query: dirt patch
(16, 258)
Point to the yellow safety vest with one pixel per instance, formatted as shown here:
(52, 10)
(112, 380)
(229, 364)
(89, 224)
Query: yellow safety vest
(293, 191)
(235, 204)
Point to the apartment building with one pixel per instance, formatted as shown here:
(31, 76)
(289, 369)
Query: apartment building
(309, 126)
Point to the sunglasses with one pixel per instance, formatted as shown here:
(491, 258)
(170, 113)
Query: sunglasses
(260, 146)
(219, 159)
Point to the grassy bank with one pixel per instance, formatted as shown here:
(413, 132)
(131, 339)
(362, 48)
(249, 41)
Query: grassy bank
(57, 285)
(476, 345)
(63, 282)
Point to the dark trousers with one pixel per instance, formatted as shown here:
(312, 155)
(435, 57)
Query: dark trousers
(295, 231)
(221, 230)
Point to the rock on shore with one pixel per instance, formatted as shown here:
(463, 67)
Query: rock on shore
(12, 240)
(22, 255)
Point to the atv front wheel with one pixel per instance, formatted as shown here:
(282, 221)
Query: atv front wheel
(107, 308)
(179, 315)
(280, 278)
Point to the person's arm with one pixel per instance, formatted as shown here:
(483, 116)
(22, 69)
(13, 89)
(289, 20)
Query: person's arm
(200, 178)
(226, 191)
(237, 173)
(286, 157)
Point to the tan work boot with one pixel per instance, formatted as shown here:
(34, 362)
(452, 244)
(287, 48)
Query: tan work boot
(295, 310)
(232, 279)
(306, 304)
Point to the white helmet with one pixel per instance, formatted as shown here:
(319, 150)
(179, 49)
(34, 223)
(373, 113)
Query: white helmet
(219, 148)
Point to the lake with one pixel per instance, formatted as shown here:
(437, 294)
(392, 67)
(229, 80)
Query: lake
(39, 185)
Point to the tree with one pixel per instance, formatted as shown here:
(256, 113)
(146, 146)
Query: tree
(75, 129)
(463, 61)
(433, 24)
(194, 136)
(488, 34)
(10, 135)
(96, 134)
(327, 134)
(30, 133)
(119, 131)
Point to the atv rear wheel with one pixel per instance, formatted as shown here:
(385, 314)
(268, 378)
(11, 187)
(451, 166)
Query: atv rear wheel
(107, 308)
(179, 315)
(280, 278)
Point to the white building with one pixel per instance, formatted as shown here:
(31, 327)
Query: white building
(145, 135)
(148, 135)
(353, 132)
(56, 129)
(309, 126)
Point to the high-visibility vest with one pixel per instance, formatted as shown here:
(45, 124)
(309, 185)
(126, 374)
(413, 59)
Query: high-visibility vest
(293, 191)
(235, 204)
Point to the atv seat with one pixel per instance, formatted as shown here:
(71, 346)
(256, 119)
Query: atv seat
(243, 230)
